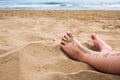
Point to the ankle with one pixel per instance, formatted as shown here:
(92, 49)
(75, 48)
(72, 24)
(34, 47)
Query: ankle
(84, 57)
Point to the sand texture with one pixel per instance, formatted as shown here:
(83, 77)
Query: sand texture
(30, 43)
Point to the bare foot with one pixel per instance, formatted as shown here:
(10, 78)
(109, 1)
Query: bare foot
(99, 44)
(83, 48)
(71, 47)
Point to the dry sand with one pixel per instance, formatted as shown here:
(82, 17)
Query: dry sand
(30, 43)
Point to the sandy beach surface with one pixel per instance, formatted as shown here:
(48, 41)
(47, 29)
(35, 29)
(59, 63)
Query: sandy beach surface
(30, 43)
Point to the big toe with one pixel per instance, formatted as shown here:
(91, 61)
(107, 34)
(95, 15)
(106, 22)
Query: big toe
(93, 36)
(69, 34)
(96, 45)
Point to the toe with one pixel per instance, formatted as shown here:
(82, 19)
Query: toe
(93, 36)
(63, 43)
(69, 34)
(66, 37)
(96, 45)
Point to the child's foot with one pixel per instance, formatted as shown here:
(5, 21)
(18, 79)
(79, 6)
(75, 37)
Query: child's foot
(99, 44)
(71, 47)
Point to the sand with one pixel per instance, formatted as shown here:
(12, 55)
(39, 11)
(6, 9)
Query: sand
(30, 43)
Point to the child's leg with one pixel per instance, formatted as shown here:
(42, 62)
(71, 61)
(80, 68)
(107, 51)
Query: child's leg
(105, 61)
(109, 62)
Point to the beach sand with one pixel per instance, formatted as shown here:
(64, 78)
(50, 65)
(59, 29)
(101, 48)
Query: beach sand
(30, 43)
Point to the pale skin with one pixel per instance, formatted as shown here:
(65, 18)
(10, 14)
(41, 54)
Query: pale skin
(104, 59)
